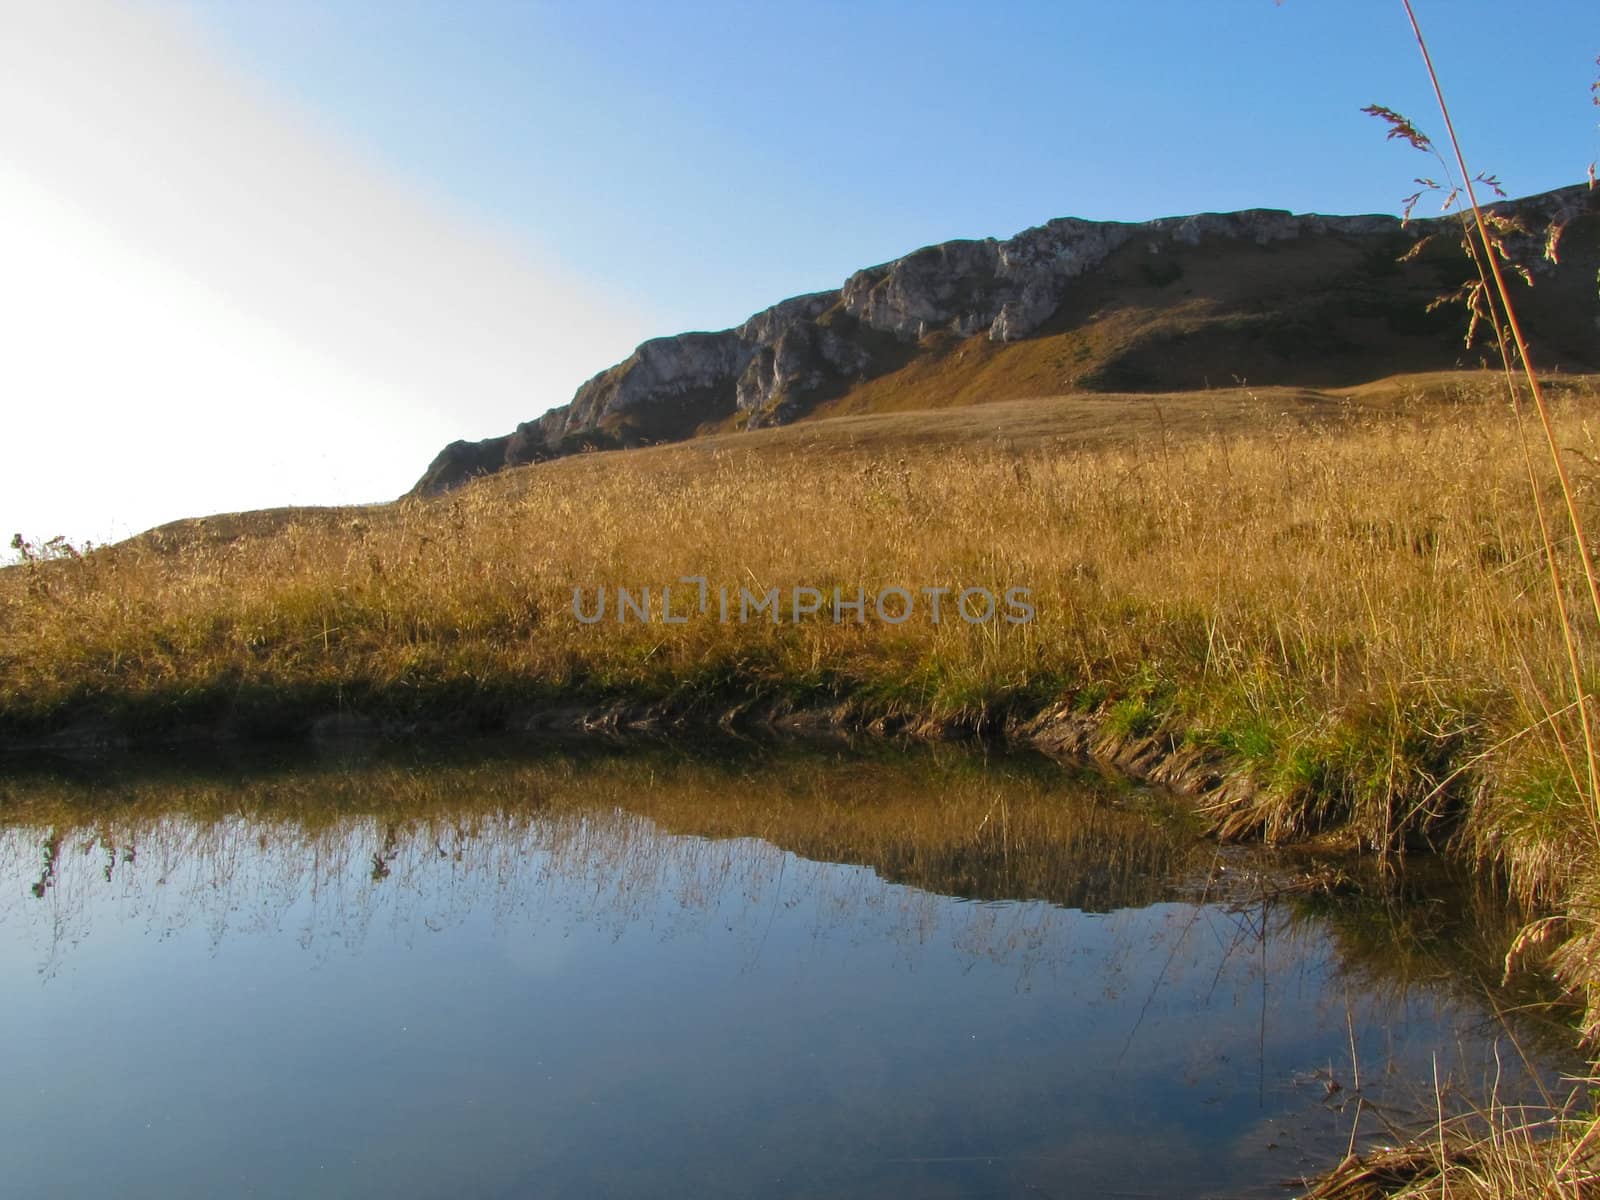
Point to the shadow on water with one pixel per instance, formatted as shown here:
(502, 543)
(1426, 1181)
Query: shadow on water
(629, 971)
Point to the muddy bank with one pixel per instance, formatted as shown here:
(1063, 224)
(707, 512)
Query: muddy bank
(1223, 790)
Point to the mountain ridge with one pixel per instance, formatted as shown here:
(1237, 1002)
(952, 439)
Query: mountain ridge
(1075, 305)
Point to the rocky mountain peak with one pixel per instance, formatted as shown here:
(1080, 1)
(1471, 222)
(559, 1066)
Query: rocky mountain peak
(1283, 292)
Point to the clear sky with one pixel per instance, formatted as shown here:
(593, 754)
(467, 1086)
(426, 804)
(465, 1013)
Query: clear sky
(264, 253)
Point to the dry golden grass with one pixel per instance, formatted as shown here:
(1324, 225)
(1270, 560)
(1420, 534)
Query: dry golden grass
(1280, 589)
(1352, 603)
(1342, 558)
(1028, 414)
(1511, 1155)
(1354, 607)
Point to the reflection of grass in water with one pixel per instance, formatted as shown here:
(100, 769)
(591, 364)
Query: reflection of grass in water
(1439, 927)
(405, 844)
(944, 821)
(995, 834)
(1443, 932)
(422, 843)
(949, 822)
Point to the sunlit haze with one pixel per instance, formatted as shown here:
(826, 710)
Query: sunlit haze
(281, 254)
(212, 304)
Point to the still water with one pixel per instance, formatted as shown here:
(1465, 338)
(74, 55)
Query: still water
(753, 973)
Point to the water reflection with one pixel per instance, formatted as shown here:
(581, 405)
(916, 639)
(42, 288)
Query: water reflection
(644, 973)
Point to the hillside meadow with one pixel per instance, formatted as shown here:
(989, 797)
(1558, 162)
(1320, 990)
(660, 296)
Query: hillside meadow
(1340, 597)
(1348, 598)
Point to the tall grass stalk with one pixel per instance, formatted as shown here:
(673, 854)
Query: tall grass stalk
(1486, 255)
(1505, 1154)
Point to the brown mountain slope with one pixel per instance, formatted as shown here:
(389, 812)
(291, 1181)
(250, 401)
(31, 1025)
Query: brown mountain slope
(1255, 298)
(1321, 312)
(1082, 422)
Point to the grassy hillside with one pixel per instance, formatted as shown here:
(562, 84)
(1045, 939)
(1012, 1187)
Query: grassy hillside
(1251, 300)
(1339, 596)
(1325, 313)
(1342, 593)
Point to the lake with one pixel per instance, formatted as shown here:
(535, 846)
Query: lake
(574, 970)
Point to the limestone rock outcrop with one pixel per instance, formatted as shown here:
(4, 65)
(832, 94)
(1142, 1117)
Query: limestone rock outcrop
(1275, 291)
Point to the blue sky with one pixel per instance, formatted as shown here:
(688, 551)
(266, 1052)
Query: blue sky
(709, 158)
(264, 253)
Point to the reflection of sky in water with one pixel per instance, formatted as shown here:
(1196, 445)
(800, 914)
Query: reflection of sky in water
(581, 1005)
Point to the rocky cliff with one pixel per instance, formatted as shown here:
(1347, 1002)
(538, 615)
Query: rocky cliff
(1170, 304)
